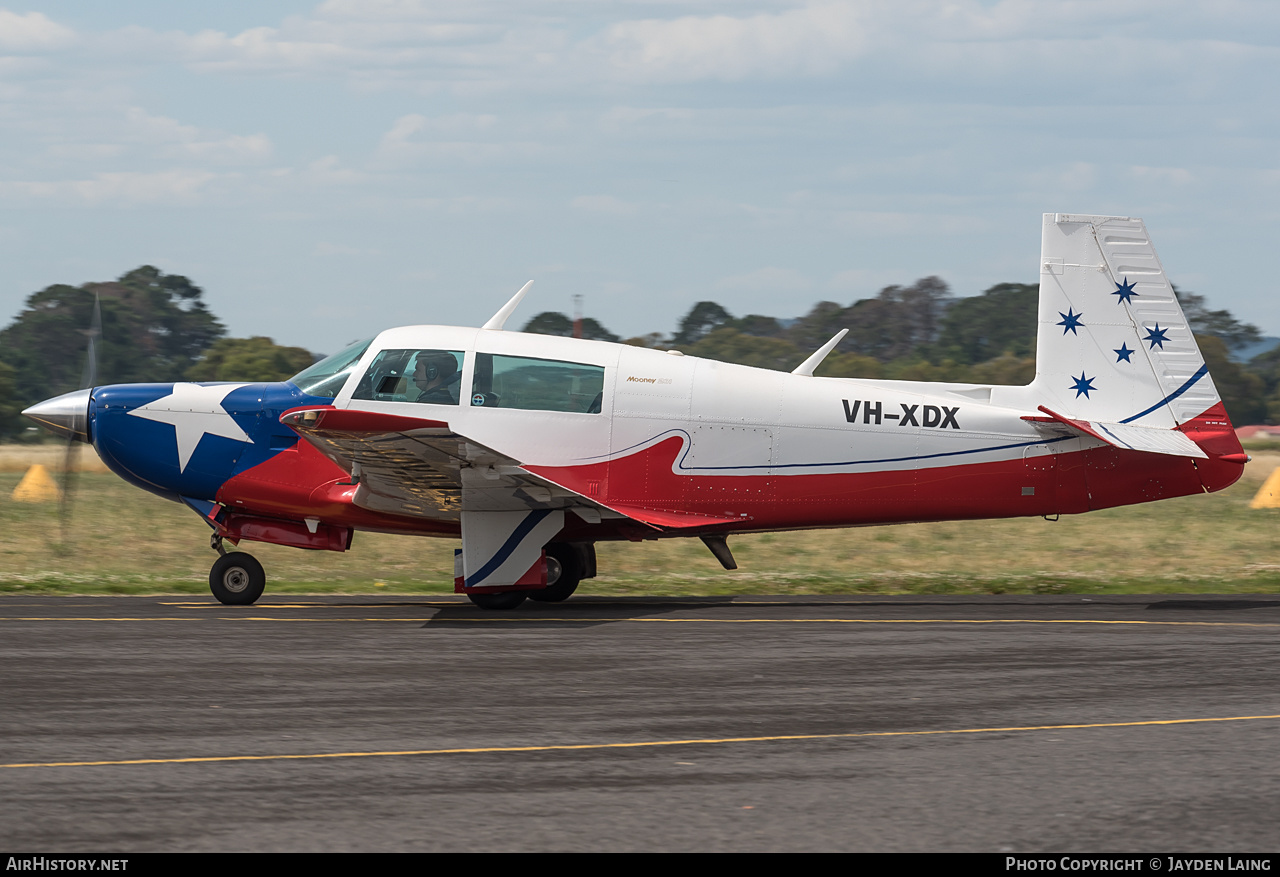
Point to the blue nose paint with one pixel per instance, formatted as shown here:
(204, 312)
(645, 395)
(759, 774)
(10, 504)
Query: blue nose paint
(185, 439)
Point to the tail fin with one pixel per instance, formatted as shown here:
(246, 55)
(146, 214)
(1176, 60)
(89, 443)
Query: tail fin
(1112, 342)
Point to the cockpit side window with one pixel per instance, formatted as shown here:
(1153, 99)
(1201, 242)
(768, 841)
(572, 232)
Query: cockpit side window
(327, 377)
(412, 375)
(537, 384)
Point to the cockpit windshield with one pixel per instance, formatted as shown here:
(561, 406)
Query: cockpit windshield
(327, 376)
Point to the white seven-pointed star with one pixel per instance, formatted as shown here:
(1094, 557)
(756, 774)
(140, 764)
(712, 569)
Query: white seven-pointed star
(195, 412)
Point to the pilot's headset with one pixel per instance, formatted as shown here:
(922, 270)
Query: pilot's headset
(436, 363)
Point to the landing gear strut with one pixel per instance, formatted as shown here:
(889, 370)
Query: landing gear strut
(236, 579)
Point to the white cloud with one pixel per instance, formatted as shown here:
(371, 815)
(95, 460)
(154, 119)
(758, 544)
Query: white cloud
(485, 46)
(405, 127)
(813, 40)
(262, 48)
(872, 135)
(391, 42)
(629, 119)
(233, 149)
(177, 140)
(467, 138)
(117, 189)
(32, 32)
(328, 171)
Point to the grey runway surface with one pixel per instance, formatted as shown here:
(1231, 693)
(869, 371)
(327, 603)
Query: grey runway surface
(991, 724)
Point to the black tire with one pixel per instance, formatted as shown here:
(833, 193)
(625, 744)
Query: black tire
(237, 579)
(505, 600)
(564, 571)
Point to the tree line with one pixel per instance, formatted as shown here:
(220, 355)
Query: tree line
(157, 327)
(924, 333)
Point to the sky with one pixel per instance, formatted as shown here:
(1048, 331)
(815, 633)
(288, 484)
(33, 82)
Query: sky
(327, 170)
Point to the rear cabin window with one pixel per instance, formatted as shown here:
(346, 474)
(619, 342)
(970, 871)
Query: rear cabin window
(537, 384)
(413, 375)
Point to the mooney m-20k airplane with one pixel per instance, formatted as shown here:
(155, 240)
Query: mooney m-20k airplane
(532, 448)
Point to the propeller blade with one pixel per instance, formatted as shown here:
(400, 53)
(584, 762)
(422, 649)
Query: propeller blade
(71, 458)
(69, 461)
(89, 377)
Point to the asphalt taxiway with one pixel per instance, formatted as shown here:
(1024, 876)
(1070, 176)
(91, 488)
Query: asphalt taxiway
(996, 724)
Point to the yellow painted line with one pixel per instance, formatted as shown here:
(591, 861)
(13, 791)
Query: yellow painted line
(644, 744)
(535, 619)
(399, 604)
(445, 601)
(207, 618)
(525, 619)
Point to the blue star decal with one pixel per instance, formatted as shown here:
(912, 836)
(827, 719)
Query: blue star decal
(1122, 354)
(1157, 336)
(1070, 321)
(1125, 291)
(1083, 385)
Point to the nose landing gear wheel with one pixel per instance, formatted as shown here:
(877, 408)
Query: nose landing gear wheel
(237, 579)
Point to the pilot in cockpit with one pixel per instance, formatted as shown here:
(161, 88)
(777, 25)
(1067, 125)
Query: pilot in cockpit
(434, 372)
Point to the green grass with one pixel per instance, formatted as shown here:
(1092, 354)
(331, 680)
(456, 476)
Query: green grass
(123, 541)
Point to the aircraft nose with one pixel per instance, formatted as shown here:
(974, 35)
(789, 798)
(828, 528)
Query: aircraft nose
(67, 415)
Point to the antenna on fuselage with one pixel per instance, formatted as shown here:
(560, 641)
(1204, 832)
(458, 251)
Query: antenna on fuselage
(807, 367)
(498, 320)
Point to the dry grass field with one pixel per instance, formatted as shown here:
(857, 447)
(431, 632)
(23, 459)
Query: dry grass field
(20, 458)
(122, 540)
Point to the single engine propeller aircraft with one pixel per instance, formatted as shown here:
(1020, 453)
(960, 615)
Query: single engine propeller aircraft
(535, 447)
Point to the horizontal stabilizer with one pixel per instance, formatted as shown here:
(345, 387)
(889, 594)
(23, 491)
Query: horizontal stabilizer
(1133, 438)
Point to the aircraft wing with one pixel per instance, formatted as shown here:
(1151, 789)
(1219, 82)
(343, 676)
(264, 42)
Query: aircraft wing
(422, 468)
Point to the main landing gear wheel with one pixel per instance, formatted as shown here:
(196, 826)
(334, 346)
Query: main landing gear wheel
(237, 579)
(506, 600)
(564, 571)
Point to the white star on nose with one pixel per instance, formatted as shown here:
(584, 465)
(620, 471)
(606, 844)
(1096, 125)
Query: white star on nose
(194, 411)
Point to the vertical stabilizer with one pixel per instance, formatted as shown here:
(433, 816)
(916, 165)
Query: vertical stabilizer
(1112, 342)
